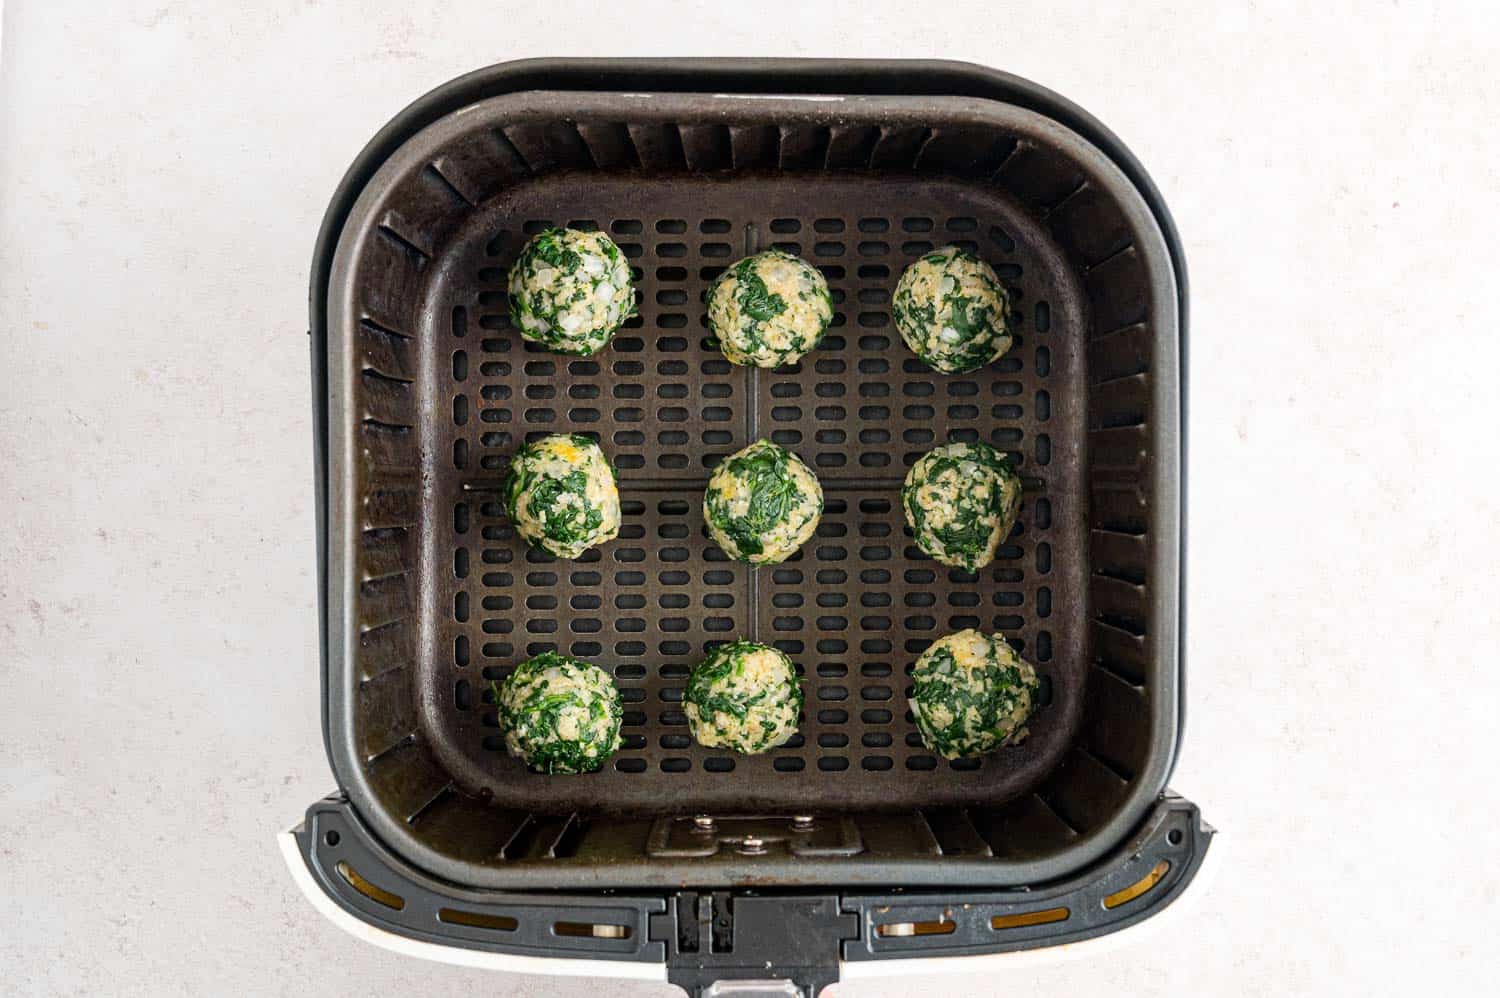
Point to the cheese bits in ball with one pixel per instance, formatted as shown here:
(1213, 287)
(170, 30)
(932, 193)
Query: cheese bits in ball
(743, 697)
(971, 694)
(769, 309)
(952, 311)
(560, 714)
(560, 494)
(762, 504)
(961, 500)
(570, 290)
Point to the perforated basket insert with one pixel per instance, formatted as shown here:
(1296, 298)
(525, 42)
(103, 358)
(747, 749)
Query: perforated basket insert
(442, 390)
(859, 601)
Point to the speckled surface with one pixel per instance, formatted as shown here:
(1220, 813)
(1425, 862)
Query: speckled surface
(163, 169)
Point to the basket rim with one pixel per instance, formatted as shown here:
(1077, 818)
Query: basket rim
(360, 189)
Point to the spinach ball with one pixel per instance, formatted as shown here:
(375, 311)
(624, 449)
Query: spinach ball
(560, 494)
(952, 311)
(560, 714)
(971, 694)
(570, 290)
(762, 504)
(744, 697)
(769, 309)
(961, 500)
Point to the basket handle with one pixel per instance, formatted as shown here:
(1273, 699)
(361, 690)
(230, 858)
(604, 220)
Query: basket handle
(733, 943)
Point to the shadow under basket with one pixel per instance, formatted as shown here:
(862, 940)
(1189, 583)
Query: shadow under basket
(424, 389)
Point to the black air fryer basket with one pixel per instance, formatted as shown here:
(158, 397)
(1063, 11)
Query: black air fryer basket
(852, 842)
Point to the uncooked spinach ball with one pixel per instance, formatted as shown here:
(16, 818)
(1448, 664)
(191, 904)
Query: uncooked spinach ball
(961, 500)
(971, 694)
(570, 290)
(762, 504)
(560, 714)
(743, 697)
(560, 494)
(952, 311)
(769, 309)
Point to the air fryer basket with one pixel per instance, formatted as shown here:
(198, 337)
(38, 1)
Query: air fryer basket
(430, 597)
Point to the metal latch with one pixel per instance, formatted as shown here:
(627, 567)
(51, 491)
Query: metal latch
(782, 988)
(682, 837)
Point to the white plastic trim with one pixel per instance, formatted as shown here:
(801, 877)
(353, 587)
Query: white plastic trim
(456, 955)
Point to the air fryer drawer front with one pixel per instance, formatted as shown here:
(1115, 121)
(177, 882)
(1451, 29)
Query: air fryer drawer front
(782, 941)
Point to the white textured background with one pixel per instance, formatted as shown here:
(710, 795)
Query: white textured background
(163, 169)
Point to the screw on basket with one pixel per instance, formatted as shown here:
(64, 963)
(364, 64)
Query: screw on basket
(703, 823)
(802, 823)
(752, 845)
